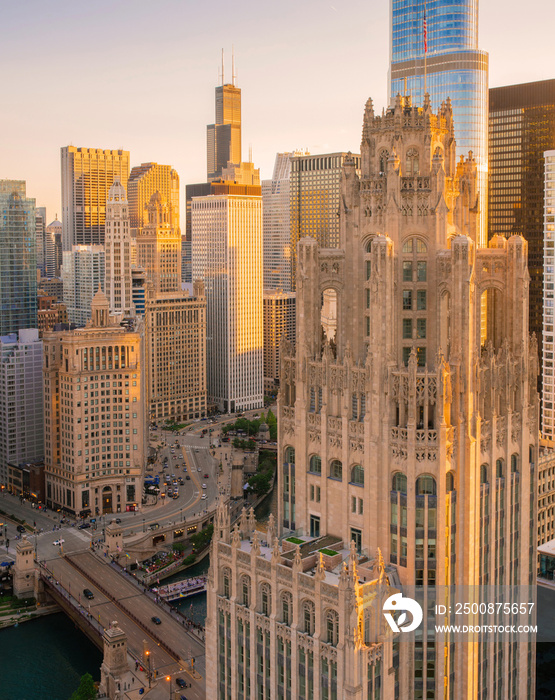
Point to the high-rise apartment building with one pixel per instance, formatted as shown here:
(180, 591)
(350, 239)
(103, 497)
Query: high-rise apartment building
(18, 258)
(54, 249)
(521, 128)
(40, 235)
(548, 361)
(144, 181)
(279, 323)
(159, 246)
(276, 223)
(227, 256)
(94, 413)
(87, 175)
(224, 136)
(175, 333)
(401, 445)
(21, 406)
(117, 247)
(434, 49)
(83, 272)
(315, 200)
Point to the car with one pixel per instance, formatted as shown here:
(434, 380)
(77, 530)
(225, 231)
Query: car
(206, 476)
(58, 543)
(181, 682)
(204, 486)
(20, 528)
(188, 478)
(156, 620)
(88, 593)
(118, 520)
(84, 526)
(203, 497)
(181, 482)
(198, 469)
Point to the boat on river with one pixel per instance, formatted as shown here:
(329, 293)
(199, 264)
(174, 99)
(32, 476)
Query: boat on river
(181, 589)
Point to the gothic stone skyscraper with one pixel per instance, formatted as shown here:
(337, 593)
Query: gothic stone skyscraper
(408, 432)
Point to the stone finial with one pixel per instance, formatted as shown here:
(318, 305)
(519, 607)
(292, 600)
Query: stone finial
(353, 558)
(271, 530)
(251, 521)
(382, 576)
(297, 561)
(236, 537)
(344, 577)
(276, 552)
(243, 524)
(255, 549)
(320, 574)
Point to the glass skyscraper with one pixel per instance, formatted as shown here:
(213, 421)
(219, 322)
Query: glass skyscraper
(452, 66)
(18, 258)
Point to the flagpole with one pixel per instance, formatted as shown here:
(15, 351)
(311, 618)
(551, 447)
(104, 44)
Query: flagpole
(425, 28)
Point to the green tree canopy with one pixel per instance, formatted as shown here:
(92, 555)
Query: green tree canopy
(86, 689)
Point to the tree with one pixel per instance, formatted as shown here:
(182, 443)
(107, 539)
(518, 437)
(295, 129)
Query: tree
(86, 689)
(260, 483)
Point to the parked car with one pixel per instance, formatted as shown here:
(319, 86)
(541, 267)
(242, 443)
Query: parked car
(88, 593)
(204, 486)
(188, 478)
(156, 620)
(206, 476)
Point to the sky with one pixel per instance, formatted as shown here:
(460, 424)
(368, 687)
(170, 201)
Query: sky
(141, 75)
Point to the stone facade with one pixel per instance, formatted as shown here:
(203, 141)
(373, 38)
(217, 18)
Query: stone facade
(417, 425)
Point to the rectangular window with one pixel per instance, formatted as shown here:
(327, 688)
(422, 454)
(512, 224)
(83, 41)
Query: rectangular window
(406, 355)
(420, 300)
(420, 327)
(353, 504)
(407, 299)
(407, 271)
(368, 269)
(314, 526)
(407, 328)
(421, 357)
(367, 298)
(421, 271)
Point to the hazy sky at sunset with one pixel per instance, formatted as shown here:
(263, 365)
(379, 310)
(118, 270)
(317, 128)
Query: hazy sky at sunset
(140, 75)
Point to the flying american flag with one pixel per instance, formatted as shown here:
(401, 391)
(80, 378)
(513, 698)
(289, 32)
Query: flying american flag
(425, 28)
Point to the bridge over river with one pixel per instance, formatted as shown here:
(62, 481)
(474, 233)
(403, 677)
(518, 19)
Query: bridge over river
(118, 596)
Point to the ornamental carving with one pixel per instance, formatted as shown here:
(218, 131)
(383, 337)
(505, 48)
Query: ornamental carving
(314, 436)
(356, 445)
(501, 430)
(516, 427)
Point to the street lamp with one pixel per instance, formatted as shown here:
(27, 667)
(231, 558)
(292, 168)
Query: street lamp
(149, 671)
(143, 524)
(169, 679)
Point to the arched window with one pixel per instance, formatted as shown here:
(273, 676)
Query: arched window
(332, 627)
(426, 485)
(412, 163)
(315, 464)
(514, 463)
(484, 474)
(415, 245)
(245, 591)
(308, 617)
(286, 607)
(336, 469)
(449, 482)
(290, 455)
(499, 468)
(265, 599)
(226, 580)
(368, 246)
(399, 482)
(357, 475)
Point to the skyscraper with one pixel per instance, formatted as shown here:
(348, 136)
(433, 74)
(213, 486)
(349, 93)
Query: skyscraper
(279, 322)
(548, 362)
(224, 136)
(21, 409)
(18, 258)
(144, 181)
(117, 246)
(83, 478)
(40, 233)
(521, 128)
(277, 225)
(315, 200)
(54, 249)
(84, 271)
(434, 49)
(401, 445)
(87, 175)
(227, 256)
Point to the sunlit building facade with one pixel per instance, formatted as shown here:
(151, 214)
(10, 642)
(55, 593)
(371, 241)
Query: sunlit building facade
(144, 181)
(227, 256)
(452, 67)
(18, 258)
(548, 361)
(117, 246)
(87, 175)
(279, 323)
(223, 138)
(83, 273)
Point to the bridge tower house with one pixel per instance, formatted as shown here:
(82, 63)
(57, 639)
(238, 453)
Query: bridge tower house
(24, 570)
(114, 672)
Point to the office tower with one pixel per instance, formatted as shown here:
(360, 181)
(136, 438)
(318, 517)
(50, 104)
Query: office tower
(50, 313)
(521, 128)
(315, 200)
(548, 378)
(95, 449)
(227, 256)
(82, 274)
(117, 247)
(175, 332)
(186, 261)
(87, 175)
(54, 249)
(51, 288)
(18, 258)
(159, 246)
(138, 289)
(408, 437)
(224, 136)
(21, 409)
(40, 234)
(546, 493)
(279, 322)
(144, 181)
(434, 49)
(277, 225)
